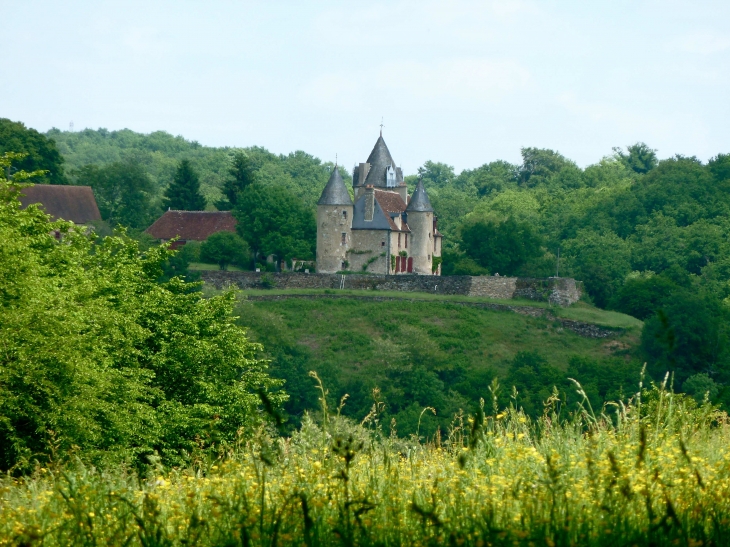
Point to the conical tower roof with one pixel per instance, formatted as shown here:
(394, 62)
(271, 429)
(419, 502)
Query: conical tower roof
(419, 201)
(335, 193)
(379, 160)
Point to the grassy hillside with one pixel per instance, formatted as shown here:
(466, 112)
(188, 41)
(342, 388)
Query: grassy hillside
(438, 353)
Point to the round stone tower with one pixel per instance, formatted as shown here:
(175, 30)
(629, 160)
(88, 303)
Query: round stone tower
(420, 220)
(334, 223)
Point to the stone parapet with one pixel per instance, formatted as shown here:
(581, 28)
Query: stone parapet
(560, 291)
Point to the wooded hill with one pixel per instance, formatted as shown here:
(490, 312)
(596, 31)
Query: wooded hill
(648, 238)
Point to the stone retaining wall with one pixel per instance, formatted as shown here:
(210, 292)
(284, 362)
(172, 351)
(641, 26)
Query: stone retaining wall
(561, 291)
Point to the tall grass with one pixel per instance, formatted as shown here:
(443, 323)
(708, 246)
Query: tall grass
(655, 471)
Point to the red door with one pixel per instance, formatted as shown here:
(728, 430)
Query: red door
(410, 264)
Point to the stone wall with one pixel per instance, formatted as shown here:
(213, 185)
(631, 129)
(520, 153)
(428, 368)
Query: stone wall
(560, 291)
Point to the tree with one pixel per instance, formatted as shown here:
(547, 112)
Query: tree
(224, 248)
(601, 260)
(687, 336)
(436, 174)
(183, 194)
(501, 247)
(240, 175)
(123, 191)
(546, 167)
(104, 358)
(274, 222)
(642, 297)
(40, 152)
(638, 157)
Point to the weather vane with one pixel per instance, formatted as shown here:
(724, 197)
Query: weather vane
(381, 126)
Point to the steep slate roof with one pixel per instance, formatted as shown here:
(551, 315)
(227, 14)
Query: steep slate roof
(74, 203)
(419, 201)
(192, 225)
(387, 204)
(379, 160)
(335, 193)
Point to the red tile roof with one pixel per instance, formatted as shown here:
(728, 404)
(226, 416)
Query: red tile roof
(192, 225)
(391, 202)
(74, 203)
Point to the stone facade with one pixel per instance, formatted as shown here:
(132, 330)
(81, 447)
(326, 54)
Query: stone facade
(334, 236)
(560, 291)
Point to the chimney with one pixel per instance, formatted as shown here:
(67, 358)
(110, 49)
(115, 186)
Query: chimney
(363, 173)
(369, 202)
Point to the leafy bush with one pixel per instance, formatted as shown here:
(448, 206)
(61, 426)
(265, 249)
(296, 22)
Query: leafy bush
(224, 248)
(102, 360)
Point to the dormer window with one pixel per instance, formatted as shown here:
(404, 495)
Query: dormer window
(390, 177)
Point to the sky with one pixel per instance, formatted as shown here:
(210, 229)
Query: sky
(460, 82)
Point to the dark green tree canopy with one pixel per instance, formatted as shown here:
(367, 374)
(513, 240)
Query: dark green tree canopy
(224, 248)
(41, 152)
(123, 191)
(501, 247)
(638, 157)
(183, 193)
(240, 175)
(274, 222)
(547, 167)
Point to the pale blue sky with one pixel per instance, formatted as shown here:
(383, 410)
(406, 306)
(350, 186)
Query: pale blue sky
(462, 82)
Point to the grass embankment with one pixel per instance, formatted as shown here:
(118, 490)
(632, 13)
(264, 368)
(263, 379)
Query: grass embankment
(651, 477)
(423, 350)
(577, 312)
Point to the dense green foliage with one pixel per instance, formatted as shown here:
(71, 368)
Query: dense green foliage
(500, 247)
(654, 473)
(101, 359)
(40, 152)
(160, 153)
(123, 192)
(224, 248)
(183, 193)
(274, 222)
(240, 175)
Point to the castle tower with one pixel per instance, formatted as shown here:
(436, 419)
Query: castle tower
(334, 223)
(379, 171)
(420, 221)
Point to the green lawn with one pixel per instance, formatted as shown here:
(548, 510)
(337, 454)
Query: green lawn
(200, 266)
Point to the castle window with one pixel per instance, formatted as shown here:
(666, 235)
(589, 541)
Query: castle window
(382, 243)
(344, 215)
(390, 177)
(344, 238)
(406, 241)
(399, 241)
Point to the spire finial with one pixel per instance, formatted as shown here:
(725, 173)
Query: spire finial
(335, 160)
(381, 126)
